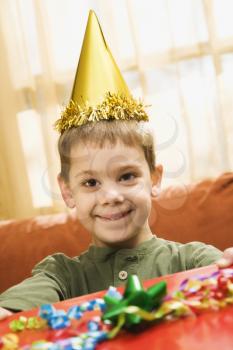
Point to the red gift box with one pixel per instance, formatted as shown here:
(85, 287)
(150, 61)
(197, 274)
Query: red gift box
(210, 330)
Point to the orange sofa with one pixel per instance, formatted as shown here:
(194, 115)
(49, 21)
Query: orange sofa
(198, 212)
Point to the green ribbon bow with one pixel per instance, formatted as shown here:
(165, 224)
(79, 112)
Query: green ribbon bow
(134, 295)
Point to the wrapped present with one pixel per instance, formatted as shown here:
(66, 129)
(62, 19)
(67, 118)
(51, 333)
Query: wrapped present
(187, 310)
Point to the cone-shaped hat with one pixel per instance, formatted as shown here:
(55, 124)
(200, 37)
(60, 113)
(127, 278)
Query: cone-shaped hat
(97, 71)
(99, 90)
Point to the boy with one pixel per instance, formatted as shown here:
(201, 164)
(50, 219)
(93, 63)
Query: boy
(108, 174)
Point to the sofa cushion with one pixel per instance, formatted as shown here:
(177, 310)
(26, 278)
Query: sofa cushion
(26, 242)
(201, 212)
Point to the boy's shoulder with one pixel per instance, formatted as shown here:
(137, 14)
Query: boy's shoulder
(55, 261)
(185, 246)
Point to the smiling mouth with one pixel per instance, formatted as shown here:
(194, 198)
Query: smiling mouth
(114, 217)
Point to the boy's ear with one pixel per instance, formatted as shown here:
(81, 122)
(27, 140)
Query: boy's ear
(66, 192)
(156, 178)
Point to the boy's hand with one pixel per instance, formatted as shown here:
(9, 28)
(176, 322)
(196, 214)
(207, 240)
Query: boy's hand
(4, 313)
(227, 258)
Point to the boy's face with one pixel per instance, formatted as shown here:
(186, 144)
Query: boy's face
(111, 188)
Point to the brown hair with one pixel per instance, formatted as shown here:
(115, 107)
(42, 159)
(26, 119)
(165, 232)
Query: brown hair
(131, 133)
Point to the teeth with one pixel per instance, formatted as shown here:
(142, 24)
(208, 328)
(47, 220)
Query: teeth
(116, 217)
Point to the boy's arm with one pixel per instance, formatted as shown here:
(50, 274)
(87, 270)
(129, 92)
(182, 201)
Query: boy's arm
(32, 292)
(205, 255)
(198, 254)
(47, 285)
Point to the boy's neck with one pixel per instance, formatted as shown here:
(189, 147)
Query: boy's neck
(129, 244)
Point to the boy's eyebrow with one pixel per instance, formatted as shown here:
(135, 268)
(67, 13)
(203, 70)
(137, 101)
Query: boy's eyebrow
(129, 166)
(85, 172)
(122, 168)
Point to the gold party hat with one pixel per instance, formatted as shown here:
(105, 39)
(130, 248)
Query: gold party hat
(99, 90)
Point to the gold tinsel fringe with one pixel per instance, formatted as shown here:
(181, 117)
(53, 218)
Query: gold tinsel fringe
(114, 106)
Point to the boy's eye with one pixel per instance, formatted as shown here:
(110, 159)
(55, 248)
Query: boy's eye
(90, 183)
(128, 176)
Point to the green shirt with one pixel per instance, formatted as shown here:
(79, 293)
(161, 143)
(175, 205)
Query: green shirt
(59, 277)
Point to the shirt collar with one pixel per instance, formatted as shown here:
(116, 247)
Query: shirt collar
(104, 253)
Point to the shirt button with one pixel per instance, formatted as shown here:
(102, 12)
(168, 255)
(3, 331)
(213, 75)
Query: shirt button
(131, 258)
(123, 275)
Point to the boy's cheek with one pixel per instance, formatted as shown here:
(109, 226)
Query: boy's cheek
(82, 214)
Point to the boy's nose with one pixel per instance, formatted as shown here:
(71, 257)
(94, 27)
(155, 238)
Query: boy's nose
(110, 195)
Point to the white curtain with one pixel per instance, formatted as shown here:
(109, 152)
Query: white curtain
(175, 54)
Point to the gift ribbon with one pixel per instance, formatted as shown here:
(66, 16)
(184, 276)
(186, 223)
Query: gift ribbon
(136, 306)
